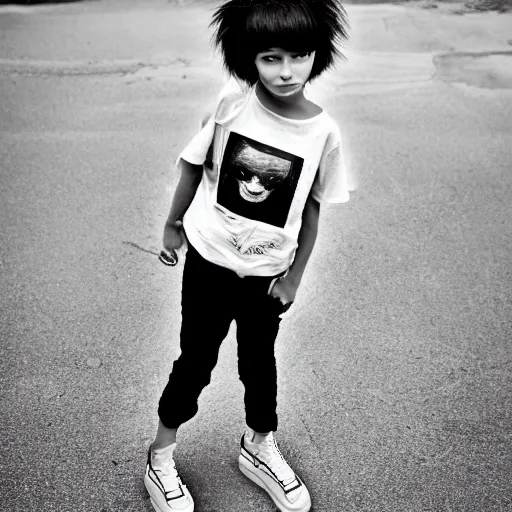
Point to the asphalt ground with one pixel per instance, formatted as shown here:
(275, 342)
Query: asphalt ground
(395, 362)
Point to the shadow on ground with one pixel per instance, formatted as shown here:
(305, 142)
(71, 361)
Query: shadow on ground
(489, 70)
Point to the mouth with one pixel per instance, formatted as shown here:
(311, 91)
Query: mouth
(288, 87)
(252, 195)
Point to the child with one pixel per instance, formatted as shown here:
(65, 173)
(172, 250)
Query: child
(248, 202)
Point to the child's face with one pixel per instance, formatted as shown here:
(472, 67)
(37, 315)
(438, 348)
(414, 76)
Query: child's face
(258, 173)
(284, 73)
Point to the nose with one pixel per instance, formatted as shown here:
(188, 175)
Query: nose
(286, 70)
(255, 185)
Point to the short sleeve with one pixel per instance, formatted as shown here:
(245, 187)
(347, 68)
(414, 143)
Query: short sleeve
(196, 150)
(331, 181)
(229, 101)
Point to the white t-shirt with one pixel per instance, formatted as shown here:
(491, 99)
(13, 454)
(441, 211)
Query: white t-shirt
(258, 171)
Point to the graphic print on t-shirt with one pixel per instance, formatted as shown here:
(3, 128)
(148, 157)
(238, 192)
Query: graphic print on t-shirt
(258, 181)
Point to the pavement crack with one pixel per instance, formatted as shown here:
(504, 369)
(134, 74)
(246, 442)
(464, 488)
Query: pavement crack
(139, 247)
(310, 434)
(69, 68)
(124, 67)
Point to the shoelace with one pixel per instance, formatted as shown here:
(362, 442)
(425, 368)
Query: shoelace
(275, 461)
(168, 474)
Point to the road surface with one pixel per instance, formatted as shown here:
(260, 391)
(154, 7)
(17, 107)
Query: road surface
(395, 362)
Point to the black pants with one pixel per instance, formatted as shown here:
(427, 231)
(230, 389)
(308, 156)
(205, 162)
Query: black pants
(212, 297)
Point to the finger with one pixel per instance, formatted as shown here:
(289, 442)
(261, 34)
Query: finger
(272, 286)
(285, 301)
(168, 258)
(287, 306)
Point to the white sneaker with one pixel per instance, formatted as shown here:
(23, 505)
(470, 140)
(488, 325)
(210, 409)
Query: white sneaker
(164, 485)
(264, 464)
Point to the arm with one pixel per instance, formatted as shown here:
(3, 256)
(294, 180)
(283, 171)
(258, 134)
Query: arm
(185, 192)
(286, 287)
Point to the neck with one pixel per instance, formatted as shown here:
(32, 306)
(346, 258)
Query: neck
(278, 105)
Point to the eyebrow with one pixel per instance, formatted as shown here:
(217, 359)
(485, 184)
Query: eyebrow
(279, 50)
(271, 50)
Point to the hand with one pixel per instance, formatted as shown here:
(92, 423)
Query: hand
(285, 290)
(172, 240)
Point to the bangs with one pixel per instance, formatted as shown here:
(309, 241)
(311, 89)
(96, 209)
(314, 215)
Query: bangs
(291, 27)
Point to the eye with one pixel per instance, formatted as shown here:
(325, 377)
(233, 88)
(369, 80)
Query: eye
(243, 175)
(271, 181)
(270, 58)
(302, 56)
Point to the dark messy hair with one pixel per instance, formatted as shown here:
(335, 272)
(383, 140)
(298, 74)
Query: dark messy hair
(244, 28)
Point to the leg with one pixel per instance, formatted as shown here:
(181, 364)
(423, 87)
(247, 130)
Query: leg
(257, 327)
(206, 317)
(164, 437)
(161, 478)
(260, 459)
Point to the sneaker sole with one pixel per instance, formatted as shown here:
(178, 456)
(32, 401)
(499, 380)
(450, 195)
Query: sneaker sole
(153, 489)
(247, 469)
